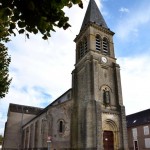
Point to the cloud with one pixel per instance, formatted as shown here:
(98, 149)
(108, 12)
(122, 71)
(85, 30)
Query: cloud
(130, 24)
(135, 73)
(124, 10)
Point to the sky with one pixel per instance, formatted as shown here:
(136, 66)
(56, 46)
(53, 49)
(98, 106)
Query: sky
(41, 70)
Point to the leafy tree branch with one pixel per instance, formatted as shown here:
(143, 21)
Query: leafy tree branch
(28, 16)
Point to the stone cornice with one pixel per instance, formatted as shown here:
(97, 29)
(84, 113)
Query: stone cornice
(91, 24)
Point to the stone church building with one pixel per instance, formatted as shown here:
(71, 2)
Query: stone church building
(90, 115)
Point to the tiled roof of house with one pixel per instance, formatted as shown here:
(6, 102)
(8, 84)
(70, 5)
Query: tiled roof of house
(139, 118)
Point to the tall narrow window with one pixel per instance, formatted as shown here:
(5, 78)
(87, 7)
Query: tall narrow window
(78, 52)
(85, 45)
(61, 126)
(98, 43)
(81, 50)
(105, 46)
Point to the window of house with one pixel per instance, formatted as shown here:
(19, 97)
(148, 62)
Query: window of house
(105, 46)
(134, 133)
(147, 142)
(98, 43)
(146, 130)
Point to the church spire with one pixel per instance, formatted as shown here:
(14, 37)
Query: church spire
(93, 14)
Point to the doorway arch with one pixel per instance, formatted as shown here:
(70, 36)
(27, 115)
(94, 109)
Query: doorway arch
(110, 135)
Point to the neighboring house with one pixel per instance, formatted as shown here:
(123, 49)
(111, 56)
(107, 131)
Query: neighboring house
(138, 127)
(89, 116)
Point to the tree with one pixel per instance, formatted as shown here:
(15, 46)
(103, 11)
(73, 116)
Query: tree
(4, 77)
(1, 139)
(28, 16)
(33, 16)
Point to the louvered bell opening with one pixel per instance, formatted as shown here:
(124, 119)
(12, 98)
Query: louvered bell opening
(85, 46)
(98, 44)
(105, 47)
(78, 53)
(81, 50)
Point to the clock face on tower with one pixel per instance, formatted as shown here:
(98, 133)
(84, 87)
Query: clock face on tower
(104, 59)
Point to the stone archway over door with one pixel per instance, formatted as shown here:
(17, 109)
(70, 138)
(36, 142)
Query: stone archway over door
(111, 126)
(108, 140)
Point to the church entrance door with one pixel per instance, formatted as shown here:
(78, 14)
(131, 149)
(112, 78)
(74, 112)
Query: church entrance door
(108, 140)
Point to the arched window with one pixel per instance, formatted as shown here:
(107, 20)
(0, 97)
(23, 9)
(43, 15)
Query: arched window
(61, 126)
(82, 48)
(105, 46)
(98, 43)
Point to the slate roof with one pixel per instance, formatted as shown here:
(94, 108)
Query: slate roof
(93, 14)
(139, 118)
(24, 109)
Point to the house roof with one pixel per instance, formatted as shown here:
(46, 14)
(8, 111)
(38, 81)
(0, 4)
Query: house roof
(93, 15)
(24, 109)
(139, 118)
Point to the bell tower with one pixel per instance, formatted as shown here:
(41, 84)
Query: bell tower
(98, 115)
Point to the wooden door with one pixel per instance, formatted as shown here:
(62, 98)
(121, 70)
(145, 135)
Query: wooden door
(108, 140)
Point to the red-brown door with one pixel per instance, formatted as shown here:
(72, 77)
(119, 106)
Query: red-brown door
(108, 140)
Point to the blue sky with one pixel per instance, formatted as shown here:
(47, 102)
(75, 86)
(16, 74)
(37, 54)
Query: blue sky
(41, 70)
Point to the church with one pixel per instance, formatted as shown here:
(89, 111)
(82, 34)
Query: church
(90, 115)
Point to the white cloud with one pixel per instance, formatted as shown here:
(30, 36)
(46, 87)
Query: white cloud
(129, 25)
(124, 10)
(135, 74)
